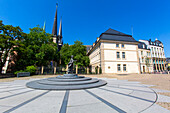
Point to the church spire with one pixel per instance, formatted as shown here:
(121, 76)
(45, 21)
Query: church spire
(60, 28)
(59, 37)
(54, 31)
(44, 26)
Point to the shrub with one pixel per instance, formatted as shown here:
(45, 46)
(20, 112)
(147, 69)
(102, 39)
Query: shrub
(168, 68)
(31, 69)
(18, 72)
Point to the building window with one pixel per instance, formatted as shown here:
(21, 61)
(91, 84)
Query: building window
(142, 59)
(123, 54)
(141, 52)
(117, 45)
(118, 67)
(123, 45)
(124, 67)
(118, 54)
(143, 46)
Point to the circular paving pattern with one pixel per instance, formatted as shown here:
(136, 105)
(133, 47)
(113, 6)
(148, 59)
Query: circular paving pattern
(66, 82)
(118, 96)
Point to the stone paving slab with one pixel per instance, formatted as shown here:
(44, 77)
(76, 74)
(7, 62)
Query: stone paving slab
(117, 96)
(49, 103)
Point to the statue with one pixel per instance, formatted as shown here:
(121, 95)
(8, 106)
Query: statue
(70, 65)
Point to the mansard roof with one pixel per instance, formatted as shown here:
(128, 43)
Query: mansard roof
(111, 34)
(142, 45)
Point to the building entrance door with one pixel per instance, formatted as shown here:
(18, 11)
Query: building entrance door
(143, 69)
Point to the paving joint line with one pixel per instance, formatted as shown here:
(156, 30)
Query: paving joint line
(63, 108)
(153, 102)
(129, 89)
(106, 102)
(26, 102)
(12, 90)
(127, 95)
(16, 94)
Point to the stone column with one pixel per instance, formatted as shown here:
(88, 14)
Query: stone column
(54, 70)
(87, 70)
(159, 65)
(164, 65)
(42, 70)
(156, 65)
(76, 69)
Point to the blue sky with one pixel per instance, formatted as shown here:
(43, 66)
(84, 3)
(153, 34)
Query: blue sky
(85, 20)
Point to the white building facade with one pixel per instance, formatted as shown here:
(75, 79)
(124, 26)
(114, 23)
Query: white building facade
(157, 54)
(115, 53)
(118, 53)
(145, 59)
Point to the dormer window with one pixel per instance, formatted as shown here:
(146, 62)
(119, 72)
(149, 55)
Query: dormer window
(117, 45)
(143, 46)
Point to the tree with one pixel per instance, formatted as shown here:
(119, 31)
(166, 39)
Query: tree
(147, 63)
(10, 38)
(38, 49)
(78, 50)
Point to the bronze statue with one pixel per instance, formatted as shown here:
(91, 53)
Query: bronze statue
(70, 65)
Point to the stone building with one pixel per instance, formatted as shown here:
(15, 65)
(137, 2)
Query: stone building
(115, 52)
(145, 59)
(157, 54)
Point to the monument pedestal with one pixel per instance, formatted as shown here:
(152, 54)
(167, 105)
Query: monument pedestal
(66, 82)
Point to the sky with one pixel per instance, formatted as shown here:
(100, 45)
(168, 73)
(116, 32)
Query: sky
(85, 20)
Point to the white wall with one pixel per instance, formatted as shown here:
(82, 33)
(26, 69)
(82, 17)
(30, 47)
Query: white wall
(111, 60)
(95, 58)
(130, 67)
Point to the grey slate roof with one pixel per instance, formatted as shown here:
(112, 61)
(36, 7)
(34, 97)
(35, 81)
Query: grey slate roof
(88, 47)
(142, 45)
(111, 34)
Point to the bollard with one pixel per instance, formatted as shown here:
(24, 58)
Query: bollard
(76, 69)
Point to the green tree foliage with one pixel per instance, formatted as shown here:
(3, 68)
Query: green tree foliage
(78, 50)
(10, 38)
(31, 69)
(38, 49)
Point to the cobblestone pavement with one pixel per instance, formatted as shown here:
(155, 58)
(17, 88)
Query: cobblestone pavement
(117, 96)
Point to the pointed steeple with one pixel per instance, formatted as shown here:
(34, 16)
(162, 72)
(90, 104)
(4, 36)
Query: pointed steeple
(60, 28)
(59, 37)
(44, 26)
(54, 31)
